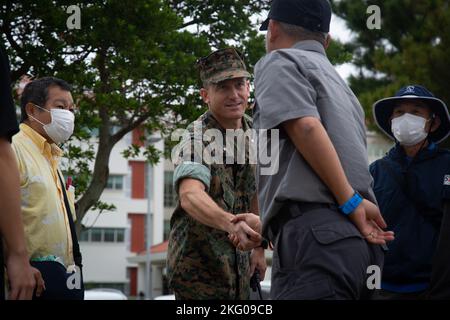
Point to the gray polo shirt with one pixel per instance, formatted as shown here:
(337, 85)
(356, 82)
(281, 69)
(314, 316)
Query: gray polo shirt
(300, 82)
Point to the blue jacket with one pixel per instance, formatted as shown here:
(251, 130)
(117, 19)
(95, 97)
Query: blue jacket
(410, 196)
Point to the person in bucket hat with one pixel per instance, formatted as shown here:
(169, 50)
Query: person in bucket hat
(202, 261)
(416, 95)
(412, 187)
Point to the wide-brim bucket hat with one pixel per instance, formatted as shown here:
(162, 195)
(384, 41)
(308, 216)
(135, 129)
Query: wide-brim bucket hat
(382, 110)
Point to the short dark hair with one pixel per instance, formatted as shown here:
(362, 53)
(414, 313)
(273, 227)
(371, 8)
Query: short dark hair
(36, 92)
(300, 33)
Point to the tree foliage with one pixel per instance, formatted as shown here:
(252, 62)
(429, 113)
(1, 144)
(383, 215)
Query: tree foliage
(412, 47)
(132, 65)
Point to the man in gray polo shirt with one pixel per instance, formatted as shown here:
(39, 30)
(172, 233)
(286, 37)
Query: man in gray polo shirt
(319, 208)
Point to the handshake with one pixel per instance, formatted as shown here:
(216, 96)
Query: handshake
(245, 231)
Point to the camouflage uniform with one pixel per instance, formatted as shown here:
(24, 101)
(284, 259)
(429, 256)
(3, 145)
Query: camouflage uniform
(202, 263)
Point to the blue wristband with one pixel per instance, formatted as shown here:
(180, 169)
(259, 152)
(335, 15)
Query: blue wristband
(350, 206)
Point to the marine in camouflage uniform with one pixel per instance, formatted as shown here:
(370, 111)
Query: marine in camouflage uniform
(202, 261)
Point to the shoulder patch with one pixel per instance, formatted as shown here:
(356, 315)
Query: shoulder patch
(447, 180)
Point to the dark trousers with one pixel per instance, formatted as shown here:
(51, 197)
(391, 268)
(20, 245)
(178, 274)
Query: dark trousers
(319, 254)
(2, 271)
(388, 295)
(56, 282)
(440, 275)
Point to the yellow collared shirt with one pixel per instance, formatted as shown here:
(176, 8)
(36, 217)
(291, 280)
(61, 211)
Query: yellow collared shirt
(47, 228)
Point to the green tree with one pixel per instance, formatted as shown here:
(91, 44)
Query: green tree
(412, 46)
(132, 65)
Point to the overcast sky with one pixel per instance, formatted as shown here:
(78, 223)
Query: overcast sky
(338, 30)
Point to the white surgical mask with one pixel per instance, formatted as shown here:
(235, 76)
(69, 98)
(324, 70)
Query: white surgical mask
(409, 129)
(61, 127)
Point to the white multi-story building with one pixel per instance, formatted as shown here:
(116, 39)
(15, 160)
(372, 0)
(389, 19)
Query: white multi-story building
(110, 238)
(158, 253)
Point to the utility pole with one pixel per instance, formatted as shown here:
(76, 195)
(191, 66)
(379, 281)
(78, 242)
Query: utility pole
(150, 213)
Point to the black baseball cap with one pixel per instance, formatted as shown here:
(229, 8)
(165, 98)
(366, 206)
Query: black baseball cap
(314, 15)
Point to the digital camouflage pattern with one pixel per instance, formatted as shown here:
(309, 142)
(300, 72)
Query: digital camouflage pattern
(202, 262)
(222, 65)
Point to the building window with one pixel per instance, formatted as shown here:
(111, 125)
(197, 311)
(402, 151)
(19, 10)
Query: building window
(108, 235)
(96, 235)
(84, 236)
(170, 199)
(120, 235)
(103, 235)
(115, 182)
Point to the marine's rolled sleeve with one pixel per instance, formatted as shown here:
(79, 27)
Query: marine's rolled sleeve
(282, 91)
(193, 170)
(190, 164)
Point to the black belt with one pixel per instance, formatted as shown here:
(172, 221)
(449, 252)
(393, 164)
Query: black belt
(309, 206)
(291, 210)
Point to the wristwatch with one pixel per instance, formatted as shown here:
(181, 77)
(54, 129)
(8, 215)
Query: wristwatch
(264, 244)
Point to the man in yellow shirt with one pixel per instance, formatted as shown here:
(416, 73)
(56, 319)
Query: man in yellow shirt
(47, 208)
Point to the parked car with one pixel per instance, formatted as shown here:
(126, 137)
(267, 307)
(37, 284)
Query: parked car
(165, 297)
(104, 294)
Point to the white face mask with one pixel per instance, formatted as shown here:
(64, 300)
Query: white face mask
(61, 127)
(409, 129)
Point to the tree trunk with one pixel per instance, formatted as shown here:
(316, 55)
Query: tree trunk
(98, 183)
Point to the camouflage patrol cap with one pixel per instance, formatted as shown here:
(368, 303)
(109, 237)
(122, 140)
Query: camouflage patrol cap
(222, 65)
